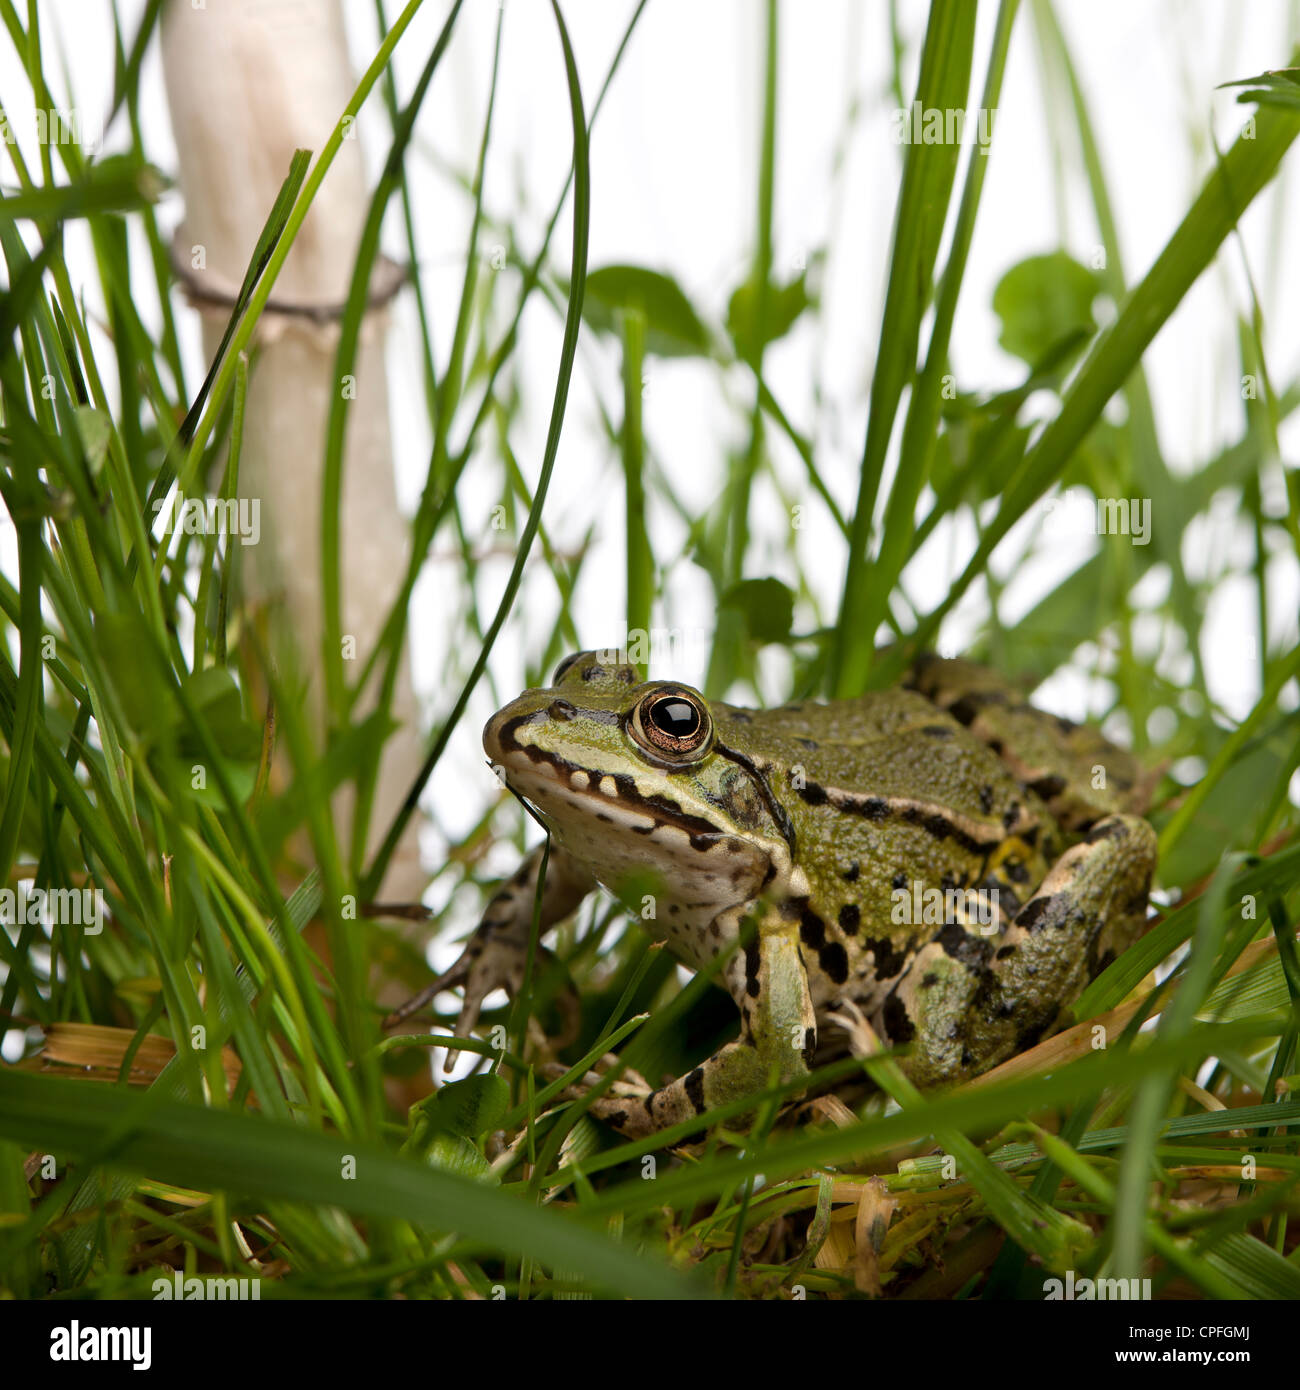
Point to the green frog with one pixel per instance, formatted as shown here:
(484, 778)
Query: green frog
(943, 860)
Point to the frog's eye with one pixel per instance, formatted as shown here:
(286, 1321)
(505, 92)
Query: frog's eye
(675, 722)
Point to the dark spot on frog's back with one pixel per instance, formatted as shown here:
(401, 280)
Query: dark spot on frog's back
(986, 799)
(898, 1027)
(963, 946)
(937, 730)
(834, 961)
(966, 709)
(1043, 912)
(1048, 787)
(812, 794)
(752, 962)
(850, 918)
(1105, 830)
(1032, 1030)
(940, 827)
(812, 930)
(888, 958)
(809, 744)
(850, 875)
(695, 1089)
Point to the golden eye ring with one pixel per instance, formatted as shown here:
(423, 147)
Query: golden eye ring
(673, 723)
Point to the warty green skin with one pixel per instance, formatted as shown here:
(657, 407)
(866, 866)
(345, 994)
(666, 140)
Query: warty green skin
(822, 826)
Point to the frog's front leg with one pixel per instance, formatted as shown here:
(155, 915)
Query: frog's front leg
(970, 1001)
(778, 1037)
(496, 956)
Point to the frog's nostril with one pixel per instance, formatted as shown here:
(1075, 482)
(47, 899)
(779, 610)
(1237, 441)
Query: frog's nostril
(561, 709)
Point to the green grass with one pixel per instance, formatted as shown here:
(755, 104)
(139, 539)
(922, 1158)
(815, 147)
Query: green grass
(283, 1144)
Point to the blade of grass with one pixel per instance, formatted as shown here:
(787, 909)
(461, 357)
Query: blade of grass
(928, 174)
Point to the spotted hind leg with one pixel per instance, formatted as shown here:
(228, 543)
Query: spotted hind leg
(969, 1001)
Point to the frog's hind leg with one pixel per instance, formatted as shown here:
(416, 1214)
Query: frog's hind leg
(969, 1001)
(778, 1037)
(1080, 774)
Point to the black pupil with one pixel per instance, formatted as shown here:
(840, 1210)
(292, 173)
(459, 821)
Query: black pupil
(677, 718)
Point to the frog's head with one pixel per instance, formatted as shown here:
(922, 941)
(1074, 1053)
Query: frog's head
(635, 778)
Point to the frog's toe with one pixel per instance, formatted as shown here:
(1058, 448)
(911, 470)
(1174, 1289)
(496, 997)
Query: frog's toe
(631, 1085)
(500, 962)
(451, 978)
(622, 1105)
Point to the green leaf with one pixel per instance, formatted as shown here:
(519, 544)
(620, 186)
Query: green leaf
(1280, 87)
(1256, 1267)
(217, 698)
(1261, 989)
(95, 429)
(468, 1108)
(767, 606)
(783, 305)
(145, 701)
(1045, 302)
(451, 1153)
(445, 1125)
(673, 328)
